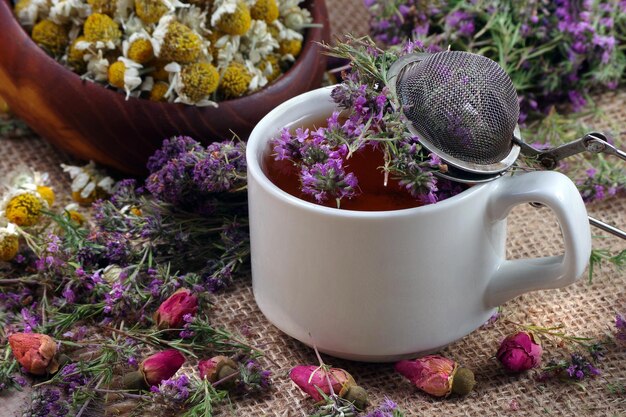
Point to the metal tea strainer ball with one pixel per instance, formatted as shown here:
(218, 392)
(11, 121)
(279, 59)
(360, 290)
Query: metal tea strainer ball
(462, 106)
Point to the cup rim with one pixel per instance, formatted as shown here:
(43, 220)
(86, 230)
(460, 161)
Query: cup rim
(258, 138)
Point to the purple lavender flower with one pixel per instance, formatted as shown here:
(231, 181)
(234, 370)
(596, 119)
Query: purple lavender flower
(175, 390)
(47, 402)
(385, 409)
(329, 179)
(171, 149)
(223, 168)
(72, 378)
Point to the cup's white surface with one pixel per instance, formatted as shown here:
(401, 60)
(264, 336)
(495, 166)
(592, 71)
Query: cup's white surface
(379, 286)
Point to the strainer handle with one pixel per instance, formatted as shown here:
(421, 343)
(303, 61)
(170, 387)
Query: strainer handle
(553, 189)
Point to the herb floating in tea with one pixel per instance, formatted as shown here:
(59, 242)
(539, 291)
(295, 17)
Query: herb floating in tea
(323, 156)
(192, 52)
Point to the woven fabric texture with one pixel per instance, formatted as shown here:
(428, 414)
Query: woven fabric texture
(585, 309)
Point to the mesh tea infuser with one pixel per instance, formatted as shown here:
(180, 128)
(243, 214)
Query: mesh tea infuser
(464, 108)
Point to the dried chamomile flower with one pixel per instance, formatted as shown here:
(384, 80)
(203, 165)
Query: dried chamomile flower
(290, 47)
(72, 213)
(28, 179)
(88, 183)
(231, 17)
(9, 242)
(69, 11)
(271, 67)
(28, 12)
(107, 7)
(150, 11)
(97, 67)
(101, 28)
(125, 74)
(235, 80)
(76, 55)
(158, 91)
(194, 83)
(258, 42)
(204, 4)
(194, 18)
(174, 42)
(293, 16)
(50, 36)
(266, 10)
(23, 207)
(228, 50)
(138, 48)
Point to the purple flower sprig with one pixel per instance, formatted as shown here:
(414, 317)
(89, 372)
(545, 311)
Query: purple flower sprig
(368, 119)
(555, 52)
(620, 329)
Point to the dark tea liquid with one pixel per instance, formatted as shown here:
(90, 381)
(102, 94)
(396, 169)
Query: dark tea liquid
(365, 164)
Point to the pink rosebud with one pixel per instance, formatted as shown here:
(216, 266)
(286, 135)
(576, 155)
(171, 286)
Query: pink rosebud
(171, 311)
(437, 376)
(35, 352)
(519, 352)
(161, 366)
(310, 377)
(216, 368)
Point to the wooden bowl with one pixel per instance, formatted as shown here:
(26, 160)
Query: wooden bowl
(92, 122)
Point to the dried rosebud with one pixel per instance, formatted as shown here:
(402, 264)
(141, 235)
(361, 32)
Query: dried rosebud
(217, 368)
(161, 366)
(519, 352)
(35, 352)
(171, 311)
(437, 376)
(309, 378)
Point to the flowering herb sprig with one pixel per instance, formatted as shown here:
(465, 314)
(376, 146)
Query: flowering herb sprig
(553, 51)
(112, 290)
(368, 120)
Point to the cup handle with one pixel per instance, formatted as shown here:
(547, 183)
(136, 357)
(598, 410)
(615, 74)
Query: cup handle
(555, 190)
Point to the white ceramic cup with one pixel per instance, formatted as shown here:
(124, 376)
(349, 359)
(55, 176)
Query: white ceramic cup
(380, 286)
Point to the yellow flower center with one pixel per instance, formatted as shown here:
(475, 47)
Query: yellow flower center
(274, 61)
(103, 6)
(9, 246)
(100, 27)
(158, 91)
(50, 36)
(84, 201)
(76, 217)
(116, 74)
(236, 23)
(181, 44)
(141, 51)
(24, 209)
(150, 11)
(199, 80)
(46, 193)
(75, 56)
(266, 10)
(290, 46)
(235, 80)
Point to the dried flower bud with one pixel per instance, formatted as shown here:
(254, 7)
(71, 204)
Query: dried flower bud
(171, 311)
(161, 366)
(437, 376)
(309, 378)
(217, 368)
(519, 352)
(35, 352)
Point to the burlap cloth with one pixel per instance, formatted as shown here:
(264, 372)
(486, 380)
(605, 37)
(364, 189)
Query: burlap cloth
(585, 310)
